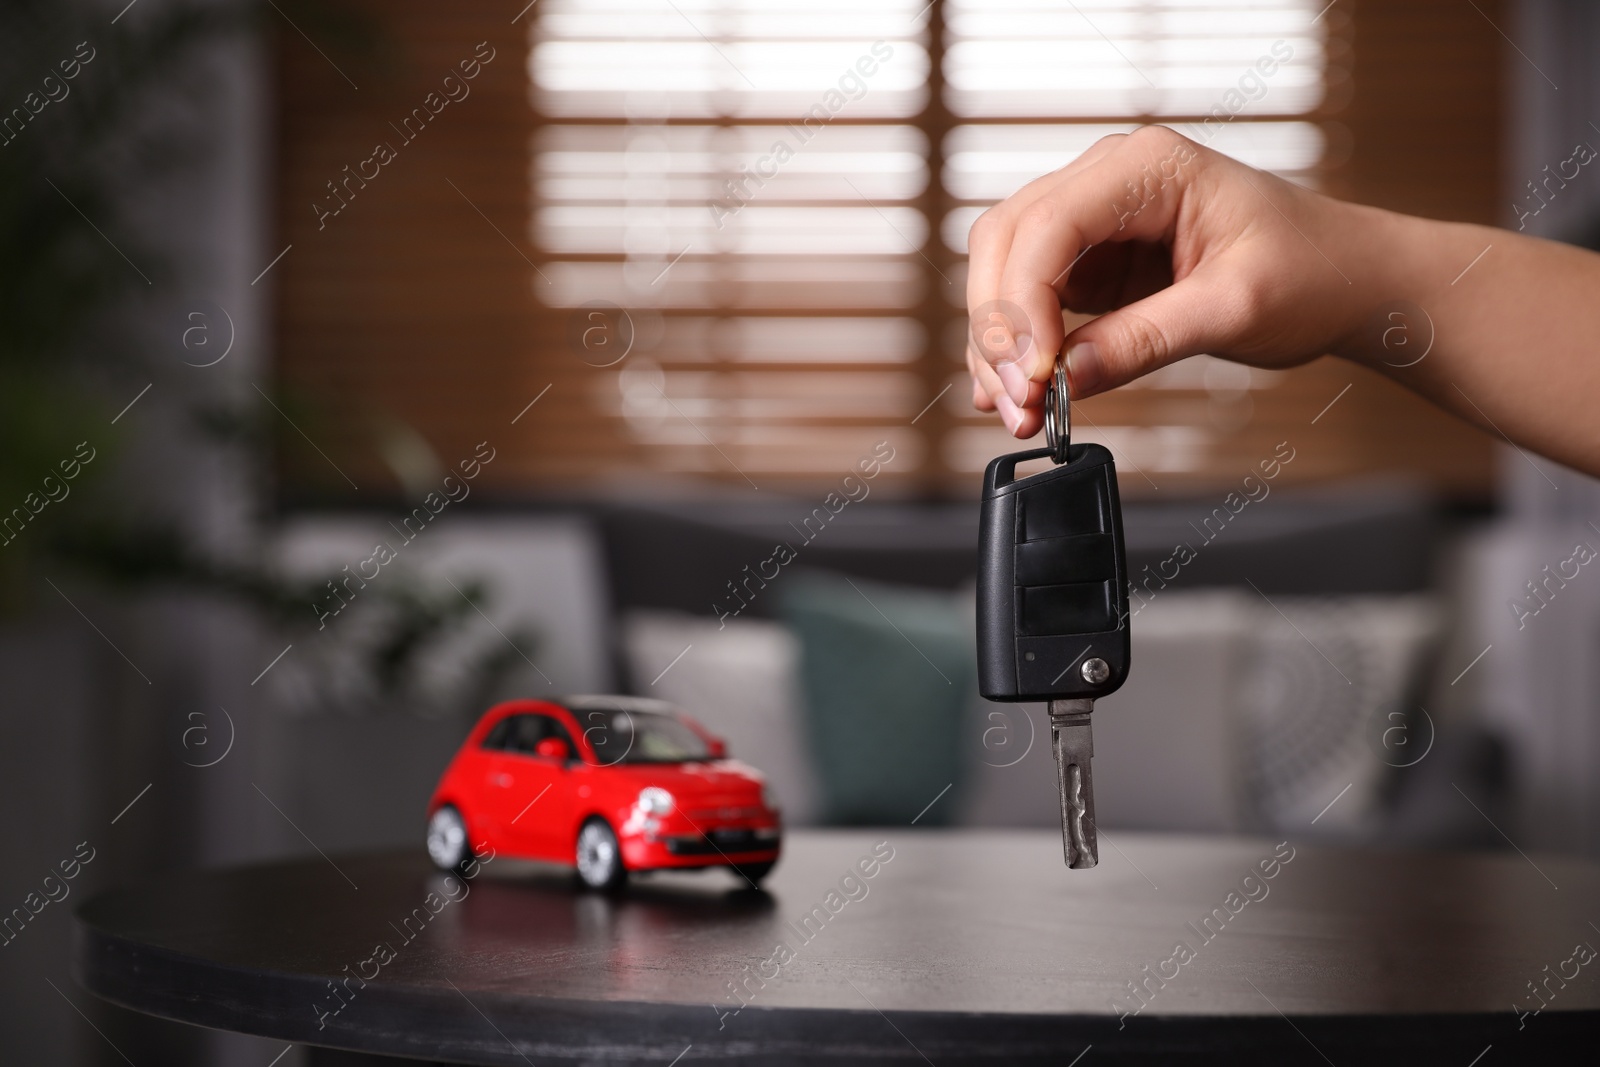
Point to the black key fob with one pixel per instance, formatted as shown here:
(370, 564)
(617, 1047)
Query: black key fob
(1052, 578)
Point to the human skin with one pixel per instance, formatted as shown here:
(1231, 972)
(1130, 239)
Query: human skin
(1195, 252)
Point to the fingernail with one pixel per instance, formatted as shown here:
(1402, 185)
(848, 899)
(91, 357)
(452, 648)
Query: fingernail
(1015, 381)
(1084, 370)
(1024, 357)
(1010, 414)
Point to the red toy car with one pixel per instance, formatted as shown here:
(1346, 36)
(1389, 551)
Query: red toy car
(605, 783)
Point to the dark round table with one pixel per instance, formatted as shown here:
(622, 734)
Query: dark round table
(899, 945)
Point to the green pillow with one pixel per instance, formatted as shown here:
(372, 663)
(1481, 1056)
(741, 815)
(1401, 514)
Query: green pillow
(888, 673)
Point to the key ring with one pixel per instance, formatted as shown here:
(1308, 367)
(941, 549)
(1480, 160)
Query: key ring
(1058, 415)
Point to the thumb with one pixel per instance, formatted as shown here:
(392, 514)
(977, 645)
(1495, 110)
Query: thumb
(1182, 320)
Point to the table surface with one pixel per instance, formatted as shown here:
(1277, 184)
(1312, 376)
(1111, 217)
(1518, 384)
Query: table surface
(962, 946)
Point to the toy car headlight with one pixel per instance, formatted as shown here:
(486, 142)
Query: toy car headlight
(655, 800)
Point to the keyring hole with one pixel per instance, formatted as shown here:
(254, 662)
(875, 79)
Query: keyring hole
(1030, 467)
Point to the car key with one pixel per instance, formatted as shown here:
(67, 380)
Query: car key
(1053, 600)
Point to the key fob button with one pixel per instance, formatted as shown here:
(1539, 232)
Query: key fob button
(1052, 586)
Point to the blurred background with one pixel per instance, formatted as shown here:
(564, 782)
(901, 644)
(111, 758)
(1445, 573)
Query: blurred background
(582, 309)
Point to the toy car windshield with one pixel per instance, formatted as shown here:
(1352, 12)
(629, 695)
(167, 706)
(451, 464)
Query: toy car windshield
(619, 736)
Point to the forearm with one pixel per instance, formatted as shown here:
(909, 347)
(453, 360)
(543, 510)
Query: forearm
(1514, 335)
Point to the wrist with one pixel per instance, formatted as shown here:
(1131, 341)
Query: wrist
(1380, 257)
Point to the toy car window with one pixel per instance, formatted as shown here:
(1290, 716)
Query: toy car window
(527, 732)
(554, 728)
(618, 736)
(524, 732)
(498, 735)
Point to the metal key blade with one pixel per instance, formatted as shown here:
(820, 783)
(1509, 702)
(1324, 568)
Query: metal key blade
(1073, 742)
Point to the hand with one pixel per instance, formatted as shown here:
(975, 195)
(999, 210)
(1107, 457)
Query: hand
(1179, 250)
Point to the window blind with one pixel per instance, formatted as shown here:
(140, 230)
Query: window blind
(691, 246)
(745, 180)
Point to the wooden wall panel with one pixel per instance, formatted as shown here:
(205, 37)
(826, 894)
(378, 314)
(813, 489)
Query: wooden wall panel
(406, 307)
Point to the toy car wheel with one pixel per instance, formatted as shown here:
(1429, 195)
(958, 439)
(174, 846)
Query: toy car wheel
(447, 839)
(754, 872)
(600, 856)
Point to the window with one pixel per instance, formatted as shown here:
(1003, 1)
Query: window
(747, 180)
(781, 201)
(522, 733)
(499, 734)
(721, 243)
(555, 729)
(620, 735)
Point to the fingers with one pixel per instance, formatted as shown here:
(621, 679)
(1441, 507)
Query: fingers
(982, 398)
(988, 244)
(1132, 193)
(989, 394)
(1199, 314)
(1128, 192)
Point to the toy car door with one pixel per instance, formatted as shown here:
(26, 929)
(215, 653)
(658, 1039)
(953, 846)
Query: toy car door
(537, 800)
